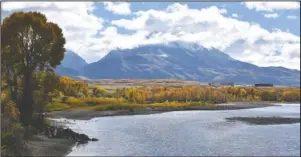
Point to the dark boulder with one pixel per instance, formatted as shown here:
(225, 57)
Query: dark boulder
(83, 137)
(94, 139)
(59, 132)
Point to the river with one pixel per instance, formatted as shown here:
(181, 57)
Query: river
(190, 133)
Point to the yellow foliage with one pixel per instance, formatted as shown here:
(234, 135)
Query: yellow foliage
(97, 91)
(160, 96)
(11, 111)
(57, 106)
(70, 87)
(291, 96)
(3, 96)
(72, 101)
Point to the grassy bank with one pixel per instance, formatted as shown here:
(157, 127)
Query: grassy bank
(105, 104)
(89, 113)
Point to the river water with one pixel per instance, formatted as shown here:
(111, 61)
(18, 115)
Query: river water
(190, 133)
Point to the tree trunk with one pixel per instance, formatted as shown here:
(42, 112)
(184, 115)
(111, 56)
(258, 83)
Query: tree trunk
(26, 109)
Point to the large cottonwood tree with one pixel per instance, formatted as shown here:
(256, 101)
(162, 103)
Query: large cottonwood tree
(29, 44)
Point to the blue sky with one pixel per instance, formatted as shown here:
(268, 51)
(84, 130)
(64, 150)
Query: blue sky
(281, 22)
(261, 33)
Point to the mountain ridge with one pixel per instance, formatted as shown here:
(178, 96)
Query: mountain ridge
(178, 60)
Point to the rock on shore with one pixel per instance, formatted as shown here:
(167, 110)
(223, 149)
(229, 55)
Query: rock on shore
(60, 132)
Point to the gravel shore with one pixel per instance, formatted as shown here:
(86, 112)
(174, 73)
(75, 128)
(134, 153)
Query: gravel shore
(40, 145)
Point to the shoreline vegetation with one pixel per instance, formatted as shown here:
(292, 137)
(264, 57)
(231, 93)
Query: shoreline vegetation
(87, 114)
(31, 90)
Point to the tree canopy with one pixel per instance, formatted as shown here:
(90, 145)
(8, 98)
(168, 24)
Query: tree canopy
(30, 44)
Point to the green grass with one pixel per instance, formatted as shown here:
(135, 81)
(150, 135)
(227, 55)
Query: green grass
(57, 106)
(176, 104)
(116, 107)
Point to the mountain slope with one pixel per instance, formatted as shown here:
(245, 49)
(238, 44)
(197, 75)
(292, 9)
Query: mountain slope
(73, 61)
(72, 65)
(63, 71)
(185, 61)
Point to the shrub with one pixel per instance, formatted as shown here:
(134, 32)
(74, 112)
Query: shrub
(12, 133)
(99, 91)
(291, 96)
(75, 102)
(91, 101)
(11, 111)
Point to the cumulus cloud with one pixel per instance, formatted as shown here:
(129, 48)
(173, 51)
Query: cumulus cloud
(272, 6)
(178, 22)
(273, 15)
(111, 39)
(292, 17)
(121, 8)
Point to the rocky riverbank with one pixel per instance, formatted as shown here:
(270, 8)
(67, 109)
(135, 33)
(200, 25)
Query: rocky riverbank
(55, 140)
(66, 133)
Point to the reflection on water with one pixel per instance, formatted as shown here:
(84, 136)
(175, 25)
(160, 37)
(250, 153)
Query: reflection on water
(191, 133)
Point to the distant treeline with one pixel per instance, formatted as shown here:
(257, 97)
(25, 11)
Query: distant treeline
(73, 93)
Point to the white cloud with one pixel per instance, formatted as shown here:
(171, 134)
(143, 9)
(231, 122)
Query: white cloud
(272, 6)
(292, 17)
(210, 28)
(121, 8)
(111, 39)
(234, 15)
(11, 6)
(273, 15)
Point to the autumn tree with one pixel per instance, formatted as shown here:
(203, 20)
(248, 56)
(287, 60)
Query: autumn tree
(44, 89)
(29, 43)
(70, 87)
(291, 95)
(99, 91)
(12, 133)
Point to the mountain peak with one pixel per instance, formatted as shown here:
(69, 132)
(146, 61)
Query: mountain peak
(72, 64)
(71, 53)
(193, 46)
